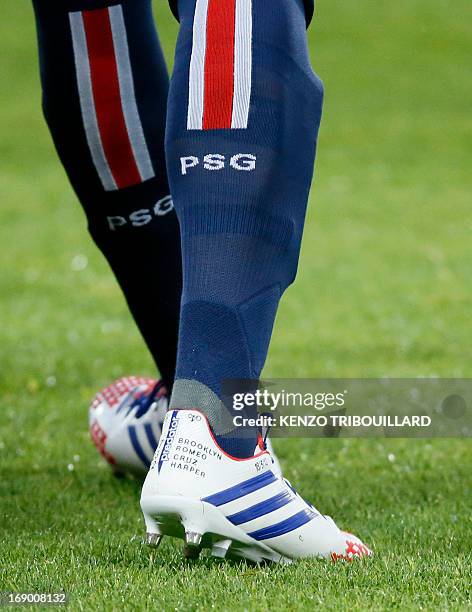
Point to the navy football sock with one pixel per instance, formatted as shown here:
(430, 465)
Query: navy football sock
(244, 112)
(105, 86)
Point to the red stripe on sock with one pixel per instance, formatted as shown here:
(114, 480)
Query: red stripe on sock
(107, 98)
(219, 65)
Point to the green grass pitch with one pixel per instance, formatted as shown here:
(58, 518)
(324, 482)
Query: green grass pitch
(383, 290)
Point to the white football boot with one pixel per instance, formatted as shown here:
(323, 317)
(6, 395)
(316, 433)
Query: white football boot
(235, 507)
(125, 422)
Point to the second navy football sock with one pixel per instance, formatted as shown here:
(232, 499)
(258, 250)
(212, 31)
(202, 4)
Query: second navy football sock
(244, 112)
(105, 86)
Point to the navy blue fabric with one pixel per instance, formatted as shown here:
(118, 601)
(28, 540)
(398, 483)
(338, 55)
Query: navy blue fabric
(242, 230)
(241, 489)
(145, 257)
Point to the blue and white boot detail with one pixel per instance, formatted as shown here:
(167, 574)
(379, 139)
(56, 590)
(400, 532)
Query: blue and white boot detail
(235, 507)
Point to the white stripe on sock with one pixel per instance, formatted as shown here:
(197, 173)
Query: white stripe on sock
(127, 92)
(242, 64)
(197, 67)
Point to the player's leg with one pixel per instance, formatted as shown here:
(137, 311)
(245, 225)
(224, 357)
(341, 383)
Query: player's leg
(105, 88)
(244, 111)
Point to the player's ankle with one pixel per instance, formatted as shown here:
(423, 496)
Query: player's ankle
(233, 439)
